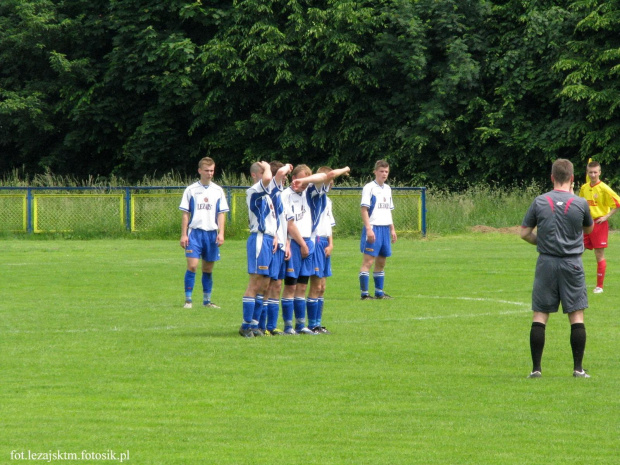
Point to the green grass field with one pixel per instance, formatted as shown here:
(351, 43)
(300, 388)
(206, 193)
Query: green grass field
(97, 355)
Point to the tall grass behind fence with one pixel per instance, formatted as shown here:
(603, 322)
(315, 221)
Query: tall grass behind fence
(493, 206)
(157, 214)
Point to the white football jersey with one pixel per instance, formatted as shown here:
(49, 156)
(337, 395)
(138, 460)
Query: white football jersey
(304, 208)
(204, 203)
(378, 199)
(276, 191)
(326, 220)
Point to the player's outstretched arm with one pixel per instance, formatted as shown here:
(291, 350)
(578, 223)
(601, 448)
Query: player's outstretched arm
(319, 178)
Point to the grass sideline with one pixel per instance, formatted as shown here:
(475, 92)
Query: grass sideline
(97, 355)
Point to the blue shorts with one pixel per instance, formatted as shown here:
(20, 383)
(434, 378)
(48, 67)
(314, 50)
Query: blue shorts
(202, 244)
(381, 246)
(296, 266)
(260, 253)
(322, 264)
(277, 269)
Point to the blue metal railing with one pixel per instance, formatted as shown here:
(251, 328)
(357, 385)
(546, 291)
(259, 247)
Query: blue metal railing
(128, 190)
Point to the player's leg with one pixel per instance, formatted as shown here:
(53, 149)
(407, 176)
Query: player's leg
(384, 249)
(597, 240)
(545, 300)
(577, 342)
(537, 342)
(193, 252)
(601, 268)
(368, 260)
(320, 304)
(259, 255)
(312, 302)
(207, 284)
(190, 279)
(574, 297)
(273, 306)
(378, 277)
(288, 304)
(364, 275)
(255, 286)
(210, 254)
(300, 305)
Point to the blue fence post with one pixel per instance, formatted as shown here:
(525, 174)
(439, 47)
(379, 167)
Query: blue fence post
(424, 212)
(127, 209)
(29, 227)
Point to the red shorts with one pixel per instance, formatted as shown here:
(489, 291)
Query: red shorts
(597, 239)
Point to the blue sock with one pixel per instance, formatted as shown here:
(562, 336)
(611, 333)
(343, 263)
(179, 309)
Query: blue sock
(207, 287)
(287, 313)
(319, 315)
(300, 312)
(364, 280)
(273, 305)
(258, 308)
(248, 311)
(262, 321)
(312, 307)
(190, 279)
(379, 279)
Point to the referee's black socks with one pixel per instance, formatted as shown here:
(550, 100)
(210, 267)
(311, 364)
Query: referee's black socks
(578, 344)
(537, 344)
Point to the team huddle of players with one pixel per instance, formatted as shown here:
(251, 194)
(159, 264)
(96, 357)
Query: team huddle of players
(290, 243)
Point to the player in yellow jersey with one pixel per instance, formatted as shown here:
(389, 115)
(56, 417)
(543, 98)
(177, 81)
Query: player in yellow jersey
(603, 202)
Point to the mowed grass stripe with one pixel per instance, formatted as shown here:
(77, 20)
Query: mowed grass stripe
(97, 353)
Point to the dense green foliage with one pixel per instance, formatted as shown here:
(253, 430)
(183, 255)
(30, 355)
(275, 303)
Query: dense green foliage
(449, 91)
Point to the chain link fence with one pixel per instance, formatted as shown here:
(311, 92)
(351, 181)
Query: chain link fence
(156, 210)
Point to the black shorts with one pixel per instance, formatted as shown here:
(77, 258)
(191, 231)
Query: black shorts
(559, 280)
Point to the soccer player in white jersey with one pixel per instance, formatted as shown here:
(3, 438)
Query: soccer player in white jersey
(378, 232)
(269, 317)
(204, 208)
(316, 186)
(322, 264)
(299, 264)
(261, 246)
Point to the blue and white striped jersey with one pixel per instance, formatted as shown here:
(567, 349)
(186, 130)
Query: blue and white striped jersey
(262, 214)
(276, 191)
(305, 208)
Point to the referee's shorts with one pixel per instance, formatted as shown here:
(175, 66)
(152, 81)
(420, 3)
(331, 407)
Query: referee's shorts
(559, 280)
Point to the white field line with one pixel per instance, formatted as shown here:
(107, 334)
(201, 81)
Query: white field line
(524, 306)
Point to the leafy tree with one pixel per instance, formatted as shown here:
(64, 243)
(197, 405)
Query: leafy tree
(522, 129)
(591, 88)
